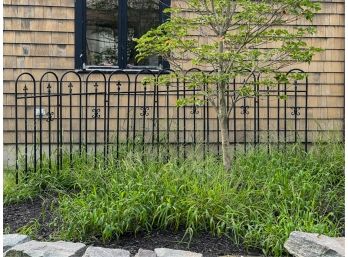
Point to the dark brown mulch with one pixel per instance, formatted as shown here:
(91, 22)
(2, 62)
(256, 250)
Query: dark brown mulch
(18, 215)
(204, 243)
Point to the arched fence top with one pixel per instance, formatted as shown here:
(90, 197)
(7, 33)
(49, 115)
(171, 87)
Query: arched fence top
(70, 72)
(107, 79)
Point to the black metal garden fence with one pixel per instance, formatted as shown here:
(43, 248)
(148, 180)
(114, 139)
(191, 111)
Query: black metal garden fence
(101, 114)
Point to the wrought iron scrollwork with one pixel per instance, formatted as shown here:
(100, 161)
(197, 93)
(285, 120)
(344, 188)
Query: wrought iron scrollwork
(194, 110)
(50, 116)
(295, 111)
(144, 111)
(96, 112)
(70, 86)
(244, 109)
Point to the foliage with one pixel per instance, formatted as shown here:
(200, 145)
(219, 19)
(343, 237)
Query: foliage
(236, 39)
(257, 205)
(239, 36)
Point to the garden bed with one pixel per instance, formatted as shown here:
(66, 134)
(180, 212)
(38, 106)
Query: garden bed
(19, 215)
(135, 203)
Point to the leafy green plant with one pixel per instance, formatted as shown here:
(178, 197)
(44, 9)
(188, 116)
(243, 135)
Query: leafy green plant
(31, 229)
(238, 39)
(267, 196)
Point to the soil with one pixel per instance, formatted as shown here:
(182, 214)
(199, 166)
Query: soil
(18, 215)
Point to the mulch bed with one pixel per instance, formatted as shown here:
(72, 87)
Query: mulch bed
(18, 215)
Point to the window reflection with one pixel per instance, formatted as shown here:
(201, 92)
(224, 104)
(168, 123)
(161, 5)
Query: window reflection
(102, 32)
(143, 15)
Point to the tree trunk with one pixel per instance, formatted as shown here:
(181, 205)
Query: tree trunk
(222, 109)
(225, 142)
(223, 121)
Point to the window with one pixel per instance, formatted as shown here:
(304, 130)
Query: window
(105, 30)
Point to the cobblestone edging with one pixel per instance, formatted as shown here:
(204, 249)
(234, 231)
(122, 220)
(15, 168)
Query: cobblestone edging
(299, 244)
(16, 245)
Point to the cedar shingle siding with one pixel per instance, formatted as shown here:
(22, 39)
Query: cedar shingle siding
(39, 36)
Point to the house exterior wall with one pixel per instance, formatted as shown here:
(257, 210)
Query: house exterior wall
(39, 36)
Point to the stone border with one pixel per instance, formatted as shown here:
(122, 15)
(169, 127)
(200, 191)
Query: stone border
(16, 245)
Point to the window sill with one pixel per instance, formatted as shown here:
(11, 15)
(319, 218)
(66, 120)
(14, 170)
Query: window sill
(133, 70)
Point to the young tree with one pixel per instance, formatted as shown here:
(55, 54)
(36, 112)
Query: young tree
(236, 38)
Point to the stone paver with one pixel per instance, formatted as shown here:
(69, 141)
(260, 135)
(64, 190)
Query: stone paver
(301, 244)
(165, 252)
(145, 253)
(47, 249)
(11, 240)
(105, 252)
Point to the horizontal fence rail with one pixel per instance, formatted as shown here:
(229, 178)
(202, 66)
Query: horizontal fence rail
(102, 115)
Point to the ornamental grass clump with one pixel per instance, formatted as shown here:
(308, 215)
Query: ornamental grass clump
(267, 196)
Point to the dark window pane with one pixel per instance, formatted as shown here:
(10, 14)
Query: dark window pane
(101, 32)
(142, 16)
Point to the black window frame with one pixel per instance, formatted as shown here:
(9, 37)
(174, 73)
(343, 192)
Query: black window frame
(81, 40)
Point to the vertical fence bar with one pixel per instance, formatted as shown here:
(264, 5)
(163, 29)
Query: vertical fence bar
(268, 118)
(204, 121)
(218, 126)
(157, 118)
(245, 111)
(40, 127)
(285, 116)
(255, 112)
(49, 119)
(208, 125)
(96, 111)
(80, 119)
(107, 117)
(16, 129)
(194, 111)
(295, 110)
(128, 113)
(26, 127)
(34, 117)
(234, 118)
(278, 117)
(60, 118)
(118, 120)
(50, 114)
(258, 108)
(71, 126)
(153, 115)
(134, 112)
(306, 115)
(144, 114)
(105, 120)
(177, 120)
(59, 157)
(184, 120)
(86, 121)
(96, 116)
(118, 86)
(167, 119)
(25, 89)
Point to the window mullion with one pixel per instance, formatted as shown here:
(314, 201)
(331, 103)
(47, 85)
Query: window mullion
(122, 33)
(164, 17)
(80, 36)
